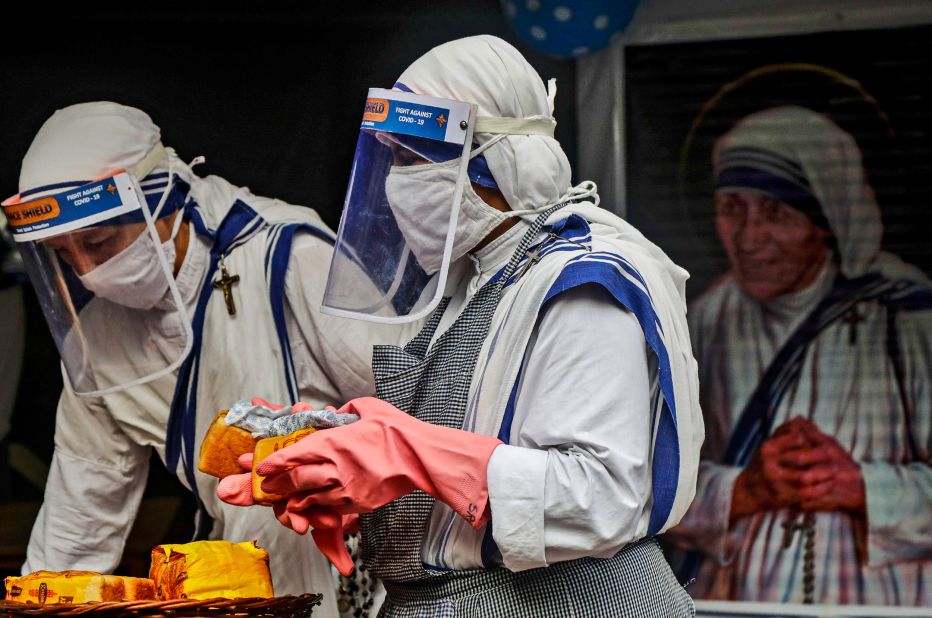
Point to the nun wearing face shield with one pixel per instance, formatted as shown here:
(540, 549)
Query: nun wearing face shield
(169, 296)
(528, 443)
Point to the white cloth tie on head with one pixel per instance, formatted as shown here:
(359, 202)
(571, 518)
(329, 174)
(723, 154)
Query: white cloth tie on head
(149, 162)
(543, 125)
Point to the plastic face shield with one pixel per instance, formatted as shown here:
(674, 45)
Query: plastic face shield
(93, 254)
(393, 247)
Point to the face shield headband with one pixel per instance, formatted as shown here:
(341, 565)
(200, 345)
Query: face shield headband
(37, 213)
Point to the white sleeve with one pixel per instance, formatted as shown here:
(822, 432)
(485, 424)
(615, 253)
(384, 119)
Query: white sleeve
(899, 496)
(575, 480)
(333, 355)
(93, 491)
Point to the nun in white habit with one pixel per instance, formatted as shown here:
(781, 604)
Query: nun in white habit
(815, 356)
(549, 406)
(262, 337)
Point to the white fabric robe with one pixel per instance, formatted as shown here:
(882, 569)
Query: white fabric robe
(575, 478)
(849, 390)
(102, 445)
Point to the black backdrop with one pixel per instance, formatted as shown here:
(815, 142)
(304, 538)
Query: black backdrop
(271, 95)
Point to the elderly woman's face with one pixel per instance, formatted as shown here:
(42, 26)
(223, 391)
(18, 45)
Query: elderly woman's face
(774, 249)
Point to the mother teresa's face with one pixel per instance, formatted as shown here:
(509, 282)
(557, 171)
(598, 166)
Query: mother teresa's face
(773, 248)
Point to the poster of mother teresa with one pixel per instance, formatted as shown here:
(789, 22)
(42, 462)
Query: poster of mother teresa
(813, 336)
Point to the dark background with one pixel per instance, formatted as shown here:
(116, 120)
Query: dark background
(272, 95)
(667, 85)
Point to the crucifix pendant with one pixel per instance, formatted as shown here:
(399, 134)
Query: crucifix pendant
(790, 526)
(225, 283)
(532, 256)
(852, 318)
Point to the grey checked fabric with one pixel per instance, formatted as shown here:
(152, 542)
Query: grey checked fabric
(635, 583)
(432, 384)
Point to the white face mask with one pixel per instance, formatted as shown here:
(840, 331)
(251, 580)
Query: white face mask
(134, 276)
(420, 197)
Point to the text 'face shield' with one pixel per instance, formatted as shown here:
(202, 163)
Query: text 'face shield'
(99, 269)
(393, 247)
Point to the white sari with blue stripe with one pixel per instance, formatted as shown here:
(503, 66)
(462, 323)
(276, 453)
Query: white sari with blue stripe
(583, 245)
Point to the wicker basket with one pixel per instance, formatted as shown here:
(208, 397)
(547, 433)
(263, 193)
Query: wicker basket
(286, 606)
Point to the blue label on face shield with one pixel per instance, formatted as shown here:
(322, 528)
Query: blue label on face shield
(72, 209)
(419, 116)
(406, 118)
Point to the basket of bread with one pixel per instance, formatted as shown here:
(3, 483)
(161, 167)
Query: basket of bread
(203, 578)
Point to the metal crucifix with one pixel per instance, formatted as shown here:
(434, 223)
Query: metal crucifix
(225, 283)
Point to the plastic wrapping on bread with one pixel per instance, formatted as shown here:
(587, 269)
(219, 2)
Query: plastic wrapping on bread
(209, 569)
(264, 448)
(239, 430)
(52, 587)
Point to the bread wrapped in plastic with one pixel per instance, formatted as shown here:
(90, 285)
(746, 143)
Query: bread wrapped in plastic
(210, 569)
(236, 431)
(51, 587)
(264, 448)
(222, 447)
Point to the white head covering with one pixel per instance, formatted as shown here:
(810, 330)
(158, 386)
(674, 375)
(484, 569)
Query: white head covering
(85, 141)
(531, 170)
(831, 161)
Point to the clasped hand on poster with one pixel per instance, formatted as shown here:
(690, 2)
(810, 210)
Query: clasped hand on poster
(799, 467)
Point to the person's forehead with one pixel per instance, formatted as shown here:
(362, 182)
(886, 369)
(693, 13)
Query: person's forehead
(748, 194)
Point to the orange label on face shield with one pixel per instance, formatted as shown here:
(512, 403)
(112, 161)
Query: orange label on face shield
(32, 212)
(376, 110)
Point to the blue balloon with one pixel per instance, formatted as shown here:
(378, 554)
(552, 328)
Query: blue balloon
(569, 28)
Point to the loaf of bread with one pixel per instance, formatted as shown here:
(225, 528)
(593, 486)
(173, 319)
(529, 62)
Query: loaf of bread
(222, 447)
(50, 587)
(211, 569)
(264, 448)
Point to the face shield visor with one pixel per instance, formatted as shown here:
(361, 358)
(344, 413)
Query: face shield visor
(395, 240)
(104, 276)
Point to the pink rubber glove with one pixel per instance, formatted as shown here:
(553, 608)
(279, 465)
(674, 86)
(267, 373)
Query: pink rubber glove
(236, 489)
(259, 401)
(298, 407)
(383, 456)
(327, 528)
(327, 525)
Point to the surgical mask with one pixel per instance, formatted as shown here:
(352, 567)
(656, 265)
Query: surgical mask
(420, 195)
(133, 277)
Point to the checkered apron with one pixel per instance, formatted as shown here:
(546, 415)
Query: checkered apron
(432, 384)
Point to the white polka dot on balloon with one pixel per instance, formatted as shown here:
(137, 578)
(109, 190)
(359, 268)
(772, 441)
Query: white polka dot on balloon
(562, 13)
(568, 28)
